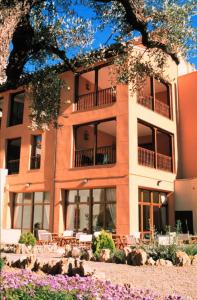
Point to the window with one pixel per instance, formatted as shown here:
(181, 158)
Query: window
(91, 210)
(13, 155)
(16, 109)
(29, 209)
(155, 147)
(155, 95)
(94, 88)
(95, 143)
(1, 110)
(152, 212)
(36, 151)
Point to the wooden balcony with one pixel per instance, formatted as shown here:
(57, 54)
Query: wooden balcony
(155, 105)
(96, 99)
(100, 156)
(13, 166)
(152, 159)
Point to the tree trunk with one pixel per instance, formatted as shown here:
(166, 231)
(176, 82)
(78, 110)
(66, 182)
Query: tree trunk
(9, 18)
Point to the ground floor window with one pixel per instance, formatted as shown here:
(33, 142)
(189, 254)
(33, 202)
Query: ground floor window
(152, 212)
(91, 210)
(29, 209)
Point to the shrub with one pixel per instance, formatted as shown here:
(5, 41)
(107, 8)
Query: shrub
(164, 252)
(119, 257)
(191, 250)
(1, 263)
(28, 239)
(103, 241)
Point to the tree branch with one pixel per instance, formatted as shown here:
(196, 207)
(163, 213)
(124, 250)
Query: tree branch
(138, 22)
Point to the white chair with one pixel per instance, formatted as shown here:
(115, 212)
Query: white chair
(44, 236)
(78, 234)
(85, 241)
(67, 233)
(10, 236)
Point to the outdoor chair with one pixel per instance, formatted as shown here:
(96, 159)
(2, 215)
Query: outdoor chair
(10, 236)
(44, 237)
(85, 241)
(68, 233)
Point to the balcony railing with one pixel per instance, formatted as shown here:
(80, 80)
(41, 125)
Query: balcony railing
(96, 99)
(156, 105)
(35, 162)
(13, 166)
(146, 157)
(100, 156)
(152, 159)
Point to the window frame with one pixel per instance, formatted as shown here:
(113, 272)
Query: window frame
(32, 204)
(150, 204)
(90, 202)
(11, 105)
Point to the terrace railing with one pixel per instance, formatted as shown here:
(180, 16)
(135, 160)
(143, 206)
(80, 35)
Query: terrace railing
(152, 159)
(100, 156)
(96, 99)
(155, 105)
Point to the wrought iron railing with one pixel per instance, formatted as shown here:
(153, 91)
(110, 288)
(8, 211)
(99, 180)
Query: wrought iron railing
(152, 159)
(13, 166)
(99, 156)
(96, 99)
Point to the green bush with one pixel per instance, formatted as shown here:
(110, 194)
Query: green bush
(191, 250)
(162, 252)
(119, 257)
(103, 241)
(28, 239)
(1, 263)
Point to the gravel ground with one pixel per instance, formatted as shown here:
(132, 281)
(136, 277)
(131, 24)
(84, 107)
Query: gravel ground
(163, 280)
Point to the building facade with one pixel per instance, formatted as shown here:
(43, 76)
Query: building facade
(186, 184)
(111, 164)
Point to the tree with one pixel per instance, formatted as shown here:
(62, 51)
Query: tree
(41, 31)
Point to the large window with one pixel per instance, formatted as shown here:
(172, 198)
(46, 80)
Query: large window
(155, 95)
(13, 155)
(91, 210)
(95, 143)
(36, 151)
(31, 208)
(16, 109)
(152, 212)
(94, 88)
(155, 147)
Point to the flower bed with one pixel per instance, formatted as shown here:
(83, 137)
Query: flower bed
(25, 285)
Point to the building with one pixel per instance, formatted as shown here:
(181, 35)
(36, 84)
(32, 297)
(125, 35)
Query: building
(112, 163)
(186, 184)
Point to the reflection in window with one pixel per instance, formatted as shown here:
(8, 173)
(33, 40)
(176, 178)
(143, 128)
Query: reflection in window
(36, 151)
(92, 210)
(13, 155)
(16, 109)
(152, 212)
(29, 209)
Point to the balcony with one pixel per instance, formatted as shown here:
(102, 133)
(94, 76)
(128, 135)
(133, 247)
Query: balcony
(152, 159)
(13, 166)
(155, 95)
(100, 156)
(155, 105)
(99, 98)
